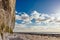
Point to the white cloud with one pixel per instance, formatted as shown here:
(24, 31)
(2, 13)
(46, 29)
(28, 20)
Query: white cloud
(39, 17)
(51, 21)
(16, 12)
(56, 13)
(25, 17)
(18, 17)
(24, 28)
(35, 14)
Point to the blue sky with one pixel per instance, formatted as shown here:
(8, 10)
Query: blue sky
(43, 6)
(38, 12)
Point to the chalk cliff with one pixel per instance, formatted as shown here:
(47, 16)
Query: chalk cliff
(7, 12)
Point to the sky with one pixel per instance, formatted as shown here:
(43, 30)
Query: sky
(37, 13)
(43, 6)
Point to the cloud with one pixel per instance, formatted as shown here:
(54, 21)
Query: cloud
(39, 17)
(56, 15)
(36, 27)
(18, 17)
(16, 12)
(25, 17)
(35, 15)
(43, 21)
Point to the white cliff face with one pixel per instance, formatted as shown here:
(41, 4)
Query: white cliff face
(7, 12)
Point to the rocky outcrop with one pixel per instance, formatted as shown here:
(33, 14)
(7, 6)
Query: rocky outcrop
(7, 12)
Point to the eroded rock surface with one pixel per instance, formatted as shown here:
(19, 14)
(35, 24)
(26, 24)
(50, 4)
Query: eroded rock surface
(7, 12)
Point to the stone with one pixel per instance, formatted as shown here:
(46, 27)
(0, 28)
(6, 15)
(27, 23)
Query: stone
(7, 12)
(7, 15)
